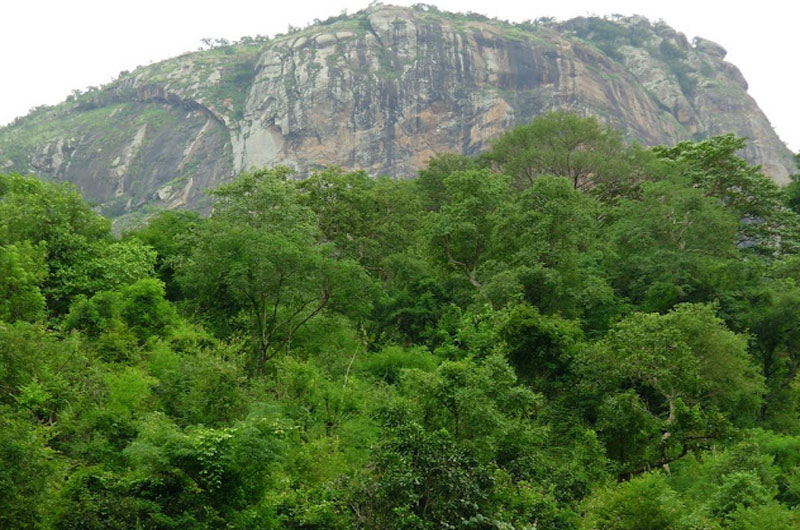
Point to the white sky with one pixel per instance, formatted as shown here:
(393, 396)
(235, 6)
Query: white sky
(49, 48)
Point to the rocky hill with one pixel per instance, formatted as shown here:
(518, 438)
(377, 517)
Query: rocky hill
(381, 90)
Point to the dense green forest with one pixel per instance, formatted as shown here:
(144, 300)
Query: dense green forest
(564, 332)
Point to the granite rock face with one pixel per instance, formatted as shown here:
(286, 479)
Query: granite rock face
(382, 90)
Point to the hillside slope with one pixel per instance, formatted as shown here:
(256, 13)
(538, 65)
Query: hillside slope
(381, 90)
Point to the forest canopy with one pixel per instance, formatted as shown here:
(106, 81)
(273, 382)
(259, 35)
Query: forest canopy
(565, 332)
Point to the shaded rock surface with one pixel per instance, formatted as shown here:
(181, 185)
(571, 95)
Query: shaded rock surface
(382, 90)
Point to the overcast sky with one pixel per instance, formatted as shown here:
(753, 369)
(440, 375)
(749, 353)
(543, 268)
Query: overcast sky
(49, 48)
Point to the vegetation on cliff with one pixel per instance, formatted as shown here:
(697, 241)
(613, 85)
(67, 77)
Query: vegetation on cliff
(539, 337)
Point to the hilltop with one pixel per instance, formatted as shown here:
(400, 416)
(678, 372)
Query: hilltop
(382, 90)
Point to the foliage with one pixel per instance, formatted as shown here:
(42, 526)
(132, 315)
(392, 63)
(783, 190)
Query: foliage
(563, 144)
(669, 245)
(681, 379)
(567, 332)
(425, 482)
(167, 234)
(258, 258)
(767, 225)
(793, 189)
(21, 273)
(54, 218)
(366, 219)
(26, 473)
(644, 503)
(609, 36)
(460, 231)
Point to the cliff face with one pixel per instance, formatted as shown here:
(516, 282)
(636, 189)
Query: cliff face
(382, 90)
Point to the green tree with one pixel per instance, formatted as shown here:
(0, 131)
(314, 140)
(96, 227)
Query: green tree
(548, 250)
(479, 403)
(738, 490)
(145, 310)
(460, 232)
(367, 219)
(174, 478)
(542, 348)
(168, 233)
(414, 300)
(55, 218)
(792, 190)
(114, 319)
(423, 481)
(258, 266)
(430, 181)
(76, 244)
(27, 474)
(564, 144)
(712, 165)
(39, 373)
(670, 246)
(643, 503)
(774, 320)
(772, 515)
(671, 384)
(22, 271)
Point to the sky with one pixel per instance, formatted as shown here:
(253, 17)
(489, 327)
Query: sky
(49, 48)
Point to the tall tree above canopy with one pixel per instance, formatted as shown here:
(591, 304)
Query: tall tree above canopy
(567, 145)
